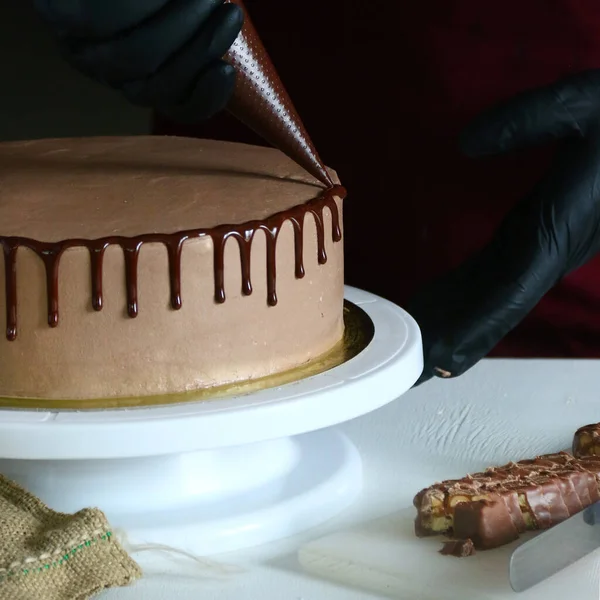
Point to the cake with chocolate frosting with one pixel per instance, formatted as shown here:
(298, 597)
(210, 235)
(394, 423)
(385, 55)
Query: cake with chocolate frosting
(147, 266)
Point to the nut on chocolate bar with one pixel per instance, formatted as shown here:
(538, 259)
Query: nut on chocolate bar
(495, 506)
(586, 441)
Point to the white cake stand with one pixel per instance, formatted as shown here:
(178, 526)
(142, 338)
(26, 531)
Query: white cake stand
(211, 477)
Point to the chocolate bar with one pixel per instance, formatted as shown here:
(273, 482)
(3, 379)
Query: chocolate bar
(495, 506)
(586, 441)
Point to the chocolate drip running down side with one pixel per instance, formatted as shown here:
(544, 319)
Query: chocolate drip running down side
(50, 253)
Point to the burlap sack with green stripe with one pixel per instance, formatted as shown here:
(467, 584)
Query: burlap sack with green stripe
(45, 555)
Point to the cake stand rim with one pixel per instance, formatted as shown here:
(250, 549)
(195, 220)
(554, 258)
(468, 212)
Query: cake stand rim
(392, 363)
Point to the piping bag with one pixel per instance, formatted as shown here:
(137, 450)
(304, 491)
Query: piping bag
(261, 102)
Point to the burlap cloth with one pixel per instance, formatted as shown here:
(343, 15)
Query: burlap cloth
(45, 555)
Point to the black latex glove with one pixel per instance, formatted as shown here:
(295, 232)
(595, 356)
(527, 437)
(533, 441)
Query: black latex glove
(161, 54)
(552, 231)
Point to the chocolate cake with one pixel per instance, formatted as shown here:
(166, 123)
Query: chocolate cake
(147, 266)
(495, 506)
(586, 441)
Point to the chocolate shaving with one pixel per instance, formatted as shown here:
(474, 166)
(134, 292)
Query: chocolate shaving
(458, 548)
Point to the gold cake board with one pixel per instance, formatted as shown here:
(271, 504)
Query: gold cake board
(358, 333)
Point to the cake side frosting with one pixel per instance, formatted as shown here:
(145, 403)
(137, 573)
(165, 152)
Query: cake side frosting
(205, 263)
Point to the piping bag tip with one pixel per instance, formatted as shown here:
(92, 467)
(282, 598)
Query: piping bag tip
(261, 102)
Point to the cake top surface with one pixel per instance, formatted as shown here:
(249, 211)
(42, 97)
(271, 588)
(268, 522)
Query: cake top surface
(57, 189)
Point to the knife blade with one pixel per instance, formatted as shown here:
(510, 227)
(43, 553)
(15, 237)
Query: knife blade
(555, 549)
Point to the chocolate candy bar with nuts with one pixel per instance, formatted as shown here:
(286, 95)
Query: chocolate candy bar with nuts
(495, 506)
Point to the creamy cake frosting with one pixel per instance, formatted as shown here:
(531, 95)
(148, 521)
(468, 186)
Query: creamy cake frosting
(154, 265)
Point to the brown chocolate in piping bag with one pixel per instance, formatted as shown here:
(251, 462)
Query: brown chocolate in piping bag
(261, 102)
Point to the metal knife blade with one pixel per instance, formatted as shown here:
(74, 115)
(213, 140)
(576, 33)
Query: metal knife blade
(555, 549)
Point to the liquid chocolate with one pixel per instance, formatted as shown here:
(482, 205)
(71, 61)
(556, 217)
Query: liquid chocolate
(50, 253)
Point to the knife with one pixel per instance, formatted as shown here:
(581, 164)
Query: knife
(555, 549)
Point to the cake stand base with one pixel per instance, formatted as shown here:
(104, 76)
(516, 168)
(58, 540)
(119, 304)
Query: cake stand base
(207, 502)
(212, 477)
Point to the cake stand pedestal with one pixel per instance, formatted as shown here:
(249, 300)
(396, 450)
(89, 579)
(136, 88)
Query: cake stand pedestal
(217, 476)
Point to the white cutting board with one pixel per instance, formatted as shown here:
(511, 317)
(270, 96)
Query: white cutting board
(500, 411)
(385, 557)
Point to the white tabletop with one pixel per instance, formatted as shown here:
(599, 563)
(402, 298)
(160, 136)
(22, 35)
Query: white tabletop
(469, 422)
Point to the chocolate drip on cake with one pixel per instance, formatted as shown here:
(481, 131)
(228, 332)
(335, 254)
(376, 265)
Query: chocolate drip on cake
(96, 251)
(51, 252)
(10, 271)
(494, 507)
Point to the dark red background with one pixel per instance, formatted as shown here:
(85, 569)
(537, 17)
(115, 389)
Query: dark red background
(384, 88)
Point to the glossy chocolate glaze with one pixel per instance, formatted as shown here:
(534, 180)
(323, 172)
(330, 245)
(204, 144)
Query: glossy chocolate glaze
(50, 253)
(262, 103)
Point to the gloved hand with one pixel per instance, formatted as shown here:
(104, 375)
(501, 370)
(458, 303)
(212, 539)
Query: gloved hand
(551, 232)
(163, 54)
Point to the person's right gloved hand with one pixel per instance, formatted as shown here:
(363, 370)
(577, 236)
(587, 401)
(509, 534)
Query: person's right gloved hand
(161, 54)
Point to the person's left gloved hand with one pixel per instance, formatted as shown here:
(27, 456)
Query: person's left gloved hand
(551, 232)
(161, 54)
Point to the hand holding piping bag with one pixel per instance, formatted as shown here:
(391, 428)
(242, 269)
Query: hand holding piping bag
(187, 59)
(161, 54)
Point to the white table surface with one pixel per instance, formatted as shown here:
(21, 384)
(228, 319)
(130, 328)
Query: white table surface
(461, 424)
